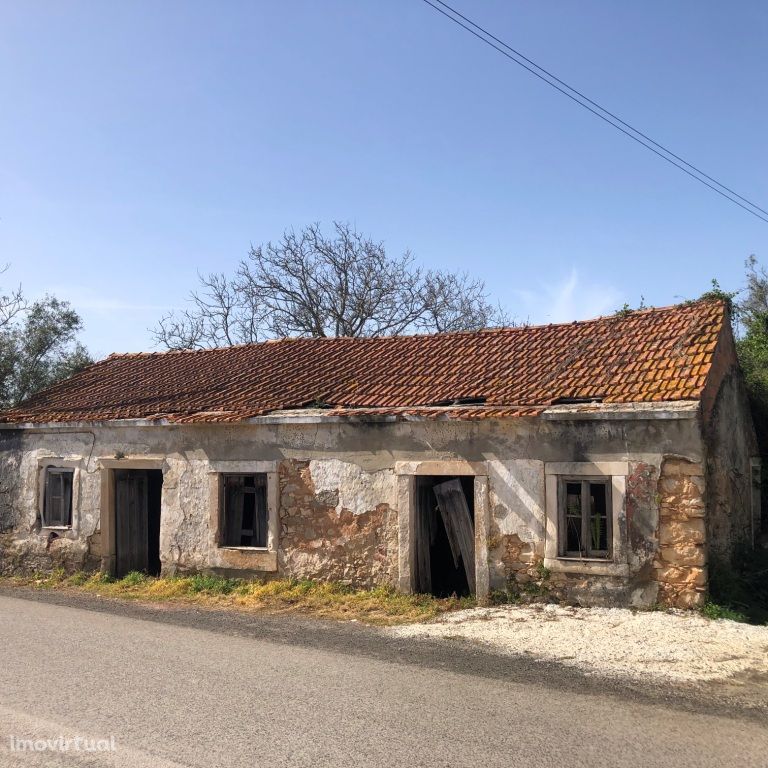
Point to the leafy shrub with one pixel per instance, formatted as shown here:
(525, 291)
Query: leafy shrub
(716, 611)
(504, 596)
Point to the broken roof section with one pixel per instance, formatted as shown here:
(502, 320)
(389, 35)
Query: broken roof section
(647, 356)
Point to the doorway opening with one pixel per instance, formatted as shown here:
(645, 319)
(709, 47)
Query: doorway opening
(138, 495)
(444, 562)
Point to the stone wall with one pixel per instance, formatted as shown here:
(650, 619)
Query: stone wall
(681, 563)
(24, 546)
(11, 454)
(517, 521)
(186, 538)
(517, 540)
(731, 443)
(587, 589)
(642, 520)
(322, 538)
(338, 508)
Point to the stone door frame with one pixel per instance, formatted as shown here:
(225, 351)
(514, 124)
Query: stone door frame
(406, 472)
(107, 504)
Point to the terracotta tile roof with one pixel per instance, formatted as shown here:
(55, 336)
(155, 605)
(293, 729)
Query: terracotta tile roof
(647, 355)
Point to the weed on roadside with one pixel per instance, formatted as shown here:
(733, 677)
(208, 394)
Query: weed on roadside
(715, 611)
(332, 600)
(213, 585)
(740, 588)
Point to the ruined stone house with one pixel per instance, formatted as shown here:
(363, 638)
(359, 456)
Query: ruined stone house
(606, 461)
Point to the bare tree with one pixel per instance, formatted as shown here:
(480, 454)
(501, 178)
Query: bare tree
(457, 302)
(11, 304)
(220, 315)
(311, 284)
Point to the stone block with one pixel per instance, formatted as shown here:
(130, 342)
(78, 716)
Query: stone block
(693, 487)
(690, 598)
(670, 486)
(678, 532)
(693, 577)
(683, 555)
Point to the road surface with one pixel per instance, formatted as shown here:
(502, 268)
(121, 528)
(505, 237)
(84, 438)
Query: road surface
(164, 694)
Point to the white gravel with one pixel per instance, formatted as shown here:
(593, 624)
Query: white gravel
(679, 646)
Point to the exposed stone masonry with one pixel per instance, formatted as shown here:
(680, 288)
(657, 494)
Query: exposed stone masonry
(681, 563)
(318, 541)
(517, 557)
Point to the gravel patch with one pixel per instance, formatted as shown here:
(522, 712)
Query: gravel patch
(675, 646)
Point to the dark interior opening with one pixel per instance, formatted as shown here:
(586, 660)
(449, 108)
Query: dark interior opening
(444, 561)
(245, 516)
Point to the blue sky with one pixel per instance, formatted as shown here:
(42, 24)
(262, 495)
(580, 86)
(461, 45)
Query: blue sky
(141, 142)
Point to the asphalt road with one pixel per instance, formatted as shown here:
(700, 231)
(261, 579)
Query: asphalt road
(171, 694)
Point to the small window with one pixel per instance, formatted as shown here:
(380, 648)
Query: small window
(244, 515)
(585, 517)
(57, 503)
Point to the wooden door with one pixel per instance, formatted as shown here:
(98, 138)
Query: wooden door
(131, 521)
(459, 525)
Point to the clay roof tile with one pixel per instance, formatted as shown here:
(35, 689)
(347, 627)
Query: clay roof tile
(644, 356)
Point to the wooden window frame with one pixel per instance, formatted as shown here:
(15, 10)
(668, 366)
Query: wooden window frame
(223, 528)
(45, 519)
(584, 481)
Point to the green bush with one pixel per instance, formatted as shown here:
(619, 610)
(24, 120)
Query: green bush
(716, 611)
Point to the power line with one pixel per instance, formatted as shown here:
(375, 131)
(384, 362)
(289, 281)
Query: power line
(601, 108)
(583, 101)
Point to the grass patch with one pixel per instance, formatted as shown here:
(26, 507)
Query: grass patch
(537, 589)
(133, 579)
(78, 579)
(716, 611)
(331, 600)
(741, 587)
(213, 585)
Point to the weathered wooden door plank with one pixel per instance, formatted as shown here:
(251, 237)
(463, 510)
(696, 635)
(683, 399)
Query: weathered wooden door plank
(131, 521)
(459, 526)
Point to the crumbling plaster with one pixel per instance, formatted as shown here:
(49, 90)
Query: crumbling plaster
(349, 487)
(351, 471)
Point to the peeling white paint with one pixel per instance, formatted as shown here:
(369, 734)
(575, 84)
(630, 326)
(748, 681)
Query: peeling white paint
(359, 491)
(517, 497)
